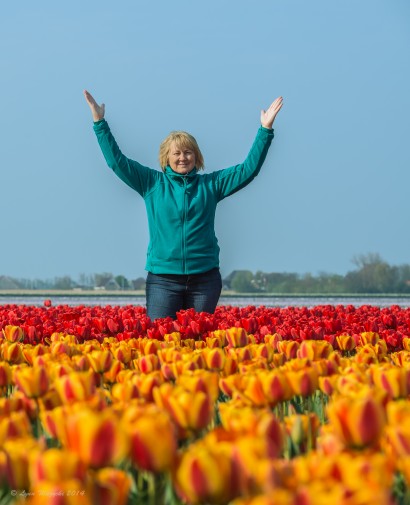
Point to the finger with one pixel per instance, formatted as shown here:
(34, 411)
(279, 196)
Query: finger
(89, 98)
(277, 103)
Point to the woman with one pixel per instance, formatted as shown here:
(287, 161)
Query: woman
(183, 252)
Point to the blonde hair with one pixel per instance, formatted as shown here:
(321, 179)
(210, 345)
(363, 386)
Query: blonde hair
(182, 140)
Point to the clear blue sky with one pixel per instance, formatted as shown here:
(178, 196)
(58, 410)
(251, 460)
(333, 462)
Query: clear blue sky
(336, 182)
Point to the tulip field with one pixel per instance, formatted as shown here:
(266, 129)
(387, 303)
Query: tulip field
(246, 406)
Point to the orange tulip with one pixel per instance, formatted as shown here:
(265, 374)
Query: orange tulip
(190, 411)
(240, 354)
(110, 486)
(12, 333)
(5, 374)
(33, 382)
(100, 361)
(369, 337)
(358, 420)
(170, 371)
(169, 355)
(94, 437)
(200, 380)
(151, 347)
(16, 457)
(206, 475)
(278, 360)
(395, 381)
(174, 337)
(147, 363)
(125, 392)
(314, 349)
(288, 347)
(252, 392)
(231, 384)
(16, 424)
(77, 386)
(328, 384)
(398, 412)
(12, 353)
(230, 367)
(276, 387)
(346, 342)
(123, 353)
(216, 338)
(303, 382)
(398, 440)
(145, 431)
(55, 465)
(215, 358)
(273, 340)
(16, 403)
(237, 337)
(147, 383)
(32, 353)
(110, 376)
(401, 358)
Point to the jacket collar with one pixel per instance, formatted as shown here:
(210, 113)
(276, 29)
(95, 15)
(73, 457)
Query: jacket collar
(191, 175)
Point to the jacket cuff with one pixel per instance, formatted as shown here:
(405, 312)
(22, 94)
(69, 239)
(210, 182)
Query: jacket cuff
(100, 125)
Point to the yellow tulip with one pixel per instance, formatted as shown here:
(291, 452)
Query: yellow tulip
(33, 382)
(55, 465)
(100, 361)
(358, 420)
(12, 352)
(5, 374)
(346, 342)
(16, 461)
(237, 337)
(206, 475)
(144, 433)
(215, 358)
(303, 382)
(77, 386)
(110, 486)
(288, 347)
(95, 437)
(12, 333)
(16, 424)
(314, 349)
(190, 411)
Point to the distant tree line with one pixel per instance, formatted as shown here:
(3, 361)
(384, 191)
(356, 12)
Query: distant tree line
(372, 275)
(101, 281)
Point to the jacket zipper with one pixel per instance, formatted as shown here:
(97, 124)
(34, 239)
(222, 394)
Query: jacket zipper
(184, 227)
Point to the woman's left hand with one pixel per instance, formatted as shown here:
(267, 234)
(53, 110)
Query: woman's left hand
(268, 116)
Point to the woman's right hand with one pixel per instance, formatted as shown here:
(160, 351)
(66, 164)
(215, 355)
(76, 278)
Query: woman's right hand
(97, 111)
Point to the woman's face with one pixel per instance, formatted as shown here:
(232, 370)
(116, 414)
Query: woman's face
(181, 159)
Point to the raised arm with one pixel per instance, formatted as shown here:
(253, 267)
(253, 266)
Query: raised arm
(232, 179)
(137, 176)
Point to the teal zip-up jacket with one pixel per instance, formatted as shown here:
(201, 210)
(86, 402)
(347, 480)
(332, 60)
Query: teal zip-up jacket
(181, 208)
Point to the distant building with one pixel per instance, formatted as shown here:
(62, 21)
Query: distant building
(112, 285)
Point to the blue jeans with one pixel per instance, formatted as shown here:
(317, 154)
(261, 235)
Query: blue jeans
(167, 293)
